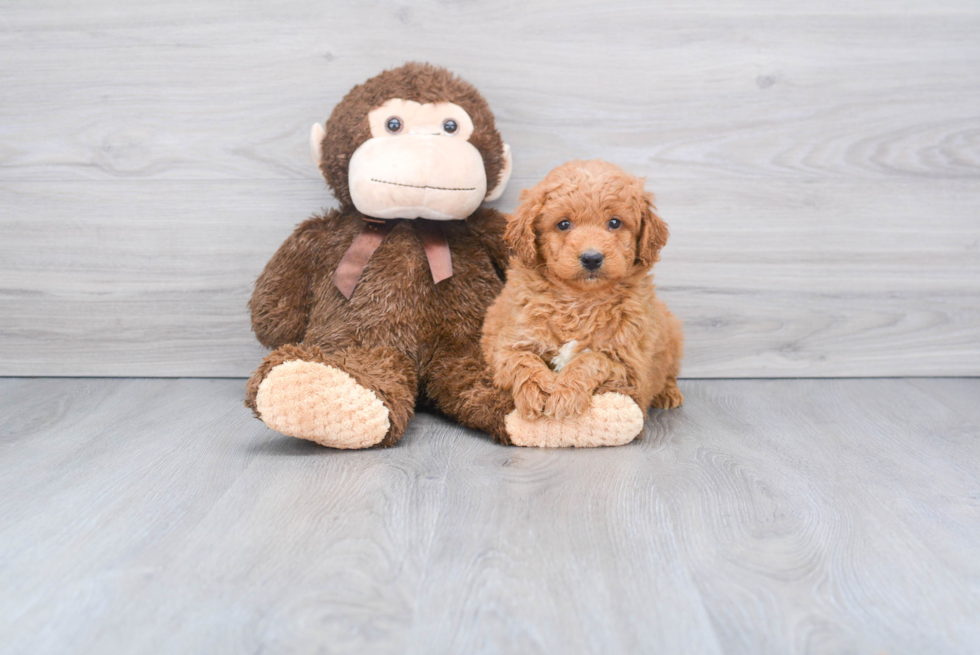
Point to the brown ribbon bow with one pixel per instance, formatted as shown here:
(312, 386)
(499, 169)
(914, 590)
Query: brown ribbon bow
(434, 242)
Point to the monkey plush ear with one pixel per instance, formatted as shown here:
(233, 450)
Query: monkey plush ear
(498, 190)
(316, 143)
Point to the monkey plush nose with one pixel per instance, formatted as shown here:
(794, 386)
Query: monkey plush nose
(591, 259)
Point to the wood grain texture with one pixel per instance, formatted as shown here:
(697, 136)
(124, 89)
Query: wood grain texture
(766, 516)
(819, 166)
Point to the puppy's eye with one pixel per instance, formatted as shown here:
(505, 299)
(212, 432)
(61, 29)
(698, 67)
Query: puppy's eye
(393, 125)
(615, 223)
(564, 225)
(450, 126)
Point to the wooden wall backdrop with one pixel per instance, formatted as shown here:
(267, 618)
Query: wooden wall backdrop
(819, 165)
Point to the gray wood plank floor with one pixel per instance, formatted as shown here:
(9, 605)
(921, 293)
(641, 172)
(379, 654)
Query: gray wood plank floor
(820, 516)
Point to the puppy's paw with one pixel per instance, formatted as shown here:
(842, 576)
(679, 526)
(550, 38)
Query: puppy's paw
(670, 397)
(617, 386)
(566, 401)
(530, 399)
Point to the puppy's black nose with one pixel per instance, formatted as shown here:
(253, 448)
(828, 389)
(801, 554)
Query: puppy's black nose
(591, 259)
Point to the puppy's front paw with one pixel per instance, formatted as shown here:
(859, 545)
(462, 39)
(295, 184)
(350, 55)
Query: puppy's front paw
(566, 401)
(530, 399)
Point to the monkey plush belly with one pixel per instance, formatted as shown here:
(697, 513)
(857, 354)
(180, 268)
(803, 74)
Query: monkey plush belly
(387, 305)
(397, 305)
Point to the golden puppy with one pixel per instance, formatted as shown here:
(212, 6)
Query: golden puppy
(578, 314)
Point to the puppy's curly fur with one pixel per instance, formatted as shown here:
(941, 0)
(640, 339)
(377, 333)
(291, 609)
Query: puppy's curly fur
(578, 314)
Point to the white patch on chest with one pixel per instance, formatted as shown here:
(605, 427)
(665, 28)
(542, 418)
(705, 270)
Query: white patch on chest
(565, 354)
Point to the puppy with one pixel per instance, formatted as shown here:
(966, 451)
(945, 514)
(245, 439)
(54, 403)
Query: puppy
(578, 314)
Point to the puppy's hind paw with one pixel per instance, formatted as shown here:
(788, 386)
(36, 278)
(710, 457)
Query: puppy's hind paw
(670, 398)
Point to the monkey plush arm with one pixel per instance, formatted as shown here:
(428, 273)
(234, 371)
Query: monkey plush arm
(280, 304)
(488, 225)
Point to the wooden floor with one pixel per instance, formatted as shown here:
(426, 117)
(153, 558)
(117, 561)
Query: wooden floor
(779, 516)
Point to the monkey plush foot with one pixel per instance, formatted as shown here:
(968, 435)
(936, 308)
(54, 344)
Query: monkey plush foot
(320, 403)
(612, 420)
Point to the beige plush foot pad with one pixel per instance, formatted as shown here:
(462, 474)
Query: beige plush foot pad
(612, 420)
(321, 403)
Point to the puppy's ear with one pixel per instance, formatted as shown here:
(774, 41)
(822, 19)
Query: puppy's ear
(520, 234)
(653, 232)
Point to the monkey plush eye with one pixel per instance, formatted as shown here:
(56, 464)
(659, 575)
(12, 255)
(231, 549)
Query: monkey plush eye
(614, 223)
(450, 126)
(564, 225)
(393, 125)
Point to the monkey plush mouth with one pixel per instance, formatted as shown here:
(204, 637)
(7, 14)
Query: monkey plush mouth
(424, 186)
(417, 176)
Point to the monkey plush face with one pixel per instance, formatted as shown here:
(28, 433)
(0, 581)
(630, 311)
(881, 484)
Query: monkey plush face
(413, 142)
(418, 163)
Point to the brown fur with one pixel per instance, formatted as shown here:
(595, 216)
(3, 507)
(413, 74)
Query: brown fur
(400, 335)
(627, 339)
